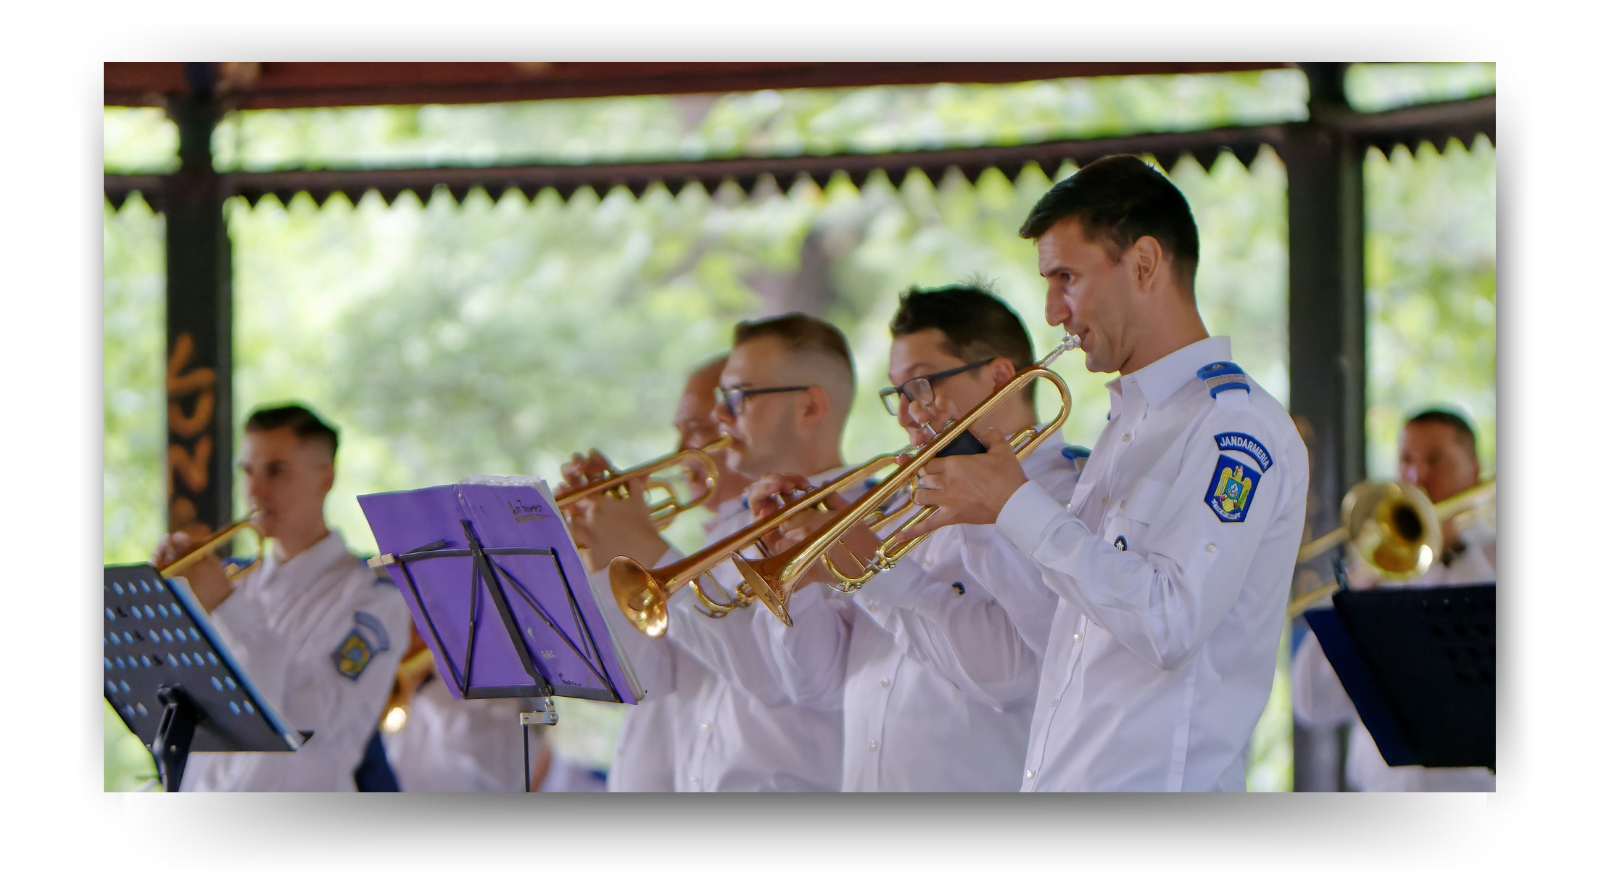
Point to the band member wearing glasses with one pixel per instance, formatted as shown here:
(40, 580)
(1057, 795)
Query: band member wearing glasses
(653, 732)
(784, 395)
(1172, 559)
(317, 630)
(1439, 454)
(939, 683)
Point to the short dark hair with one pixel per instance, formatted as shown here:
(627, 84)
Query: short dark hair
(799, 332)
(976, 324)
(299, 420)
(1119, 200)
(1454, 421)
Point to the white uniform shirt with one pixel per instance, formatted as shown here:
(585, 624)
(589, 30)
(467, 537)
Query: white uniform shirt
(1161, 654)
(656, 731)
(938, 685)
(752, 734)
(290, 625)
(1320, 699)
(448, 745)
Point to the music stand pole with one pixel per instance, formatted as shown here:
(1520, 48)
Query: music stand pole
(545, 717)
(174, 735)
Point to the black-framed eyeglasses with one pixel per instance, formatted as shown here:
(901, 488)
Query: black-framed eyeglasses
(732, 399)
(920, 389)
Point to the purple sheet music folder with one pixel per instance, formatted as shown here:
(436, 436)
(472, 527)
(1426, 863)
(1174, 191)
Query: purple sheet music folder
(469, 557)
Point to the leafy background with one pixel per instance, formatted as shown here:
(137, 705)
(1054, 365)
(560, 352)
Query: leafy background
(449, 338)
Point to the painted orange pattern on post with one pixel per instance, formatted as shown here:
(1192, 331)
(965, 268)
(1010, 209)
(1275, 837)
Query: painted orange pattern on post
(188, 465)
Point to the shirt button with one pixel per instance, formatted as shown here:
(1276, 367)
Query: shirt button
(1211, 547)
(883, 683)
(1077, 637)
(872, 606)
(694, 782)
(1126, 436)
(872, 745)
(705, 726)
(1028, 775)
(1104, 500)
(1123, 504)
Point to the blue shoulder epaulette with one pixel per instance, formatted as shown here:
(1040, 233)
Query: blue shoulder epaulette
(1224, 376)
(1071, 452)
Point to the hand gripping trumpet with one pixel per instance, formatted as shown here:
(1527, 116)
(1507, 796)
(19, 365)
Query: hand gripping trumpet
(190, 558)
(773, 579)
(694, 461)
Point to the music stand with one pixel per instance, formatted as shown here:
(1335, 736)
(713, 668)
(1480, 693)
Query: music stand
(173, 682)
(1418, 664)
(498, 592)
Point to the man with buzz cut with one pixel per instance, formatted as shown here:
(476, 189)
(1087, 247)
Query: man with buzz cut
(785, 392)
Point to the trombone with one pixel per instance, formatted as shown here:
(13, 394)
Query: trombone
(193, 556)
(642, 594)
(1393, 527)
(662, 512)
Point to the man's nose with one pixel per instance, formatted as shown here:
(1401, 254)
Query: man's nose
(1056, 312)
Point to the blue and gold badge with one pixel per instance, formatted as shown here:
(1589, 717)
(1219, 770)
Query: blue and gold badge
(1230, 492)
(353, 655)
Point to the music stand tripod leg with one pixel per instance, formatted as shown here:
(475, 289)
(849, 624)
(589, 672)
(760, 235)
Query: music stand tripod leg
(545, 717)
(174, 735)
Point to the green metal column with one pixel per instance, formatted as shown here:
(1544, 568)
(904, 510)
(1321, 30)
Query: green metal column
(199, 380)
(1327, 339)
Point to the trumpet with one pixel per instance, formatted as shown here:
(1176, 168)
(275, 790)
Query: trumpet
(190, 558)
(642, 594)
(1394, 528)
(663, 511)
(774, 579)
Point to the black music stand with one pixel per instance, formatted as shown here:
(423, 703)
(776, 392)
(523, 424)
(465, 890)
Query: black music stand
(497, 591)
(1418, 664)
(173, 682)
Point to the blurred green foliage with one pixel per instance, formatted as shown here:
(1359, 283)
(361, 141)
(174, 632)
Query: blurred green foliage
(479, 337)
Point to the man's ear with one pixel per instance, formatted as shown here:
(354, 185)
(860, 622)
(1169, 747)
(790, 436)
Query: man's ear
(1002, 371)
(327, 479)
(1147, 259)
(817, 404)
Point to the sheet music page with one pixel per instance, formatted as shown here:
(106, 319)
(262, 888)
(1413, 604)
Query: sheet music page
(605, 616)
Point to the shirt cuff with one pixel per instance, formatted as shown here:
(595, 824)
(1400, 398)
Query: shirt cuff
(1027, 515)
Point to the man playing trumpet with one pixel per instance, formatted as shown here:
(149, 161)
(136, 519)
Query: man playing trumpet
(938, 685)
(1172, 559)
(317, 630)
(784, 394)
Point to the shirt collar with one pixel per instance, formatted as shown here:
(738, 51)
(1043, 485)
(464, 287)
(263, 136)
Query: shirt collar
(304, 567)
(1155, 383)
